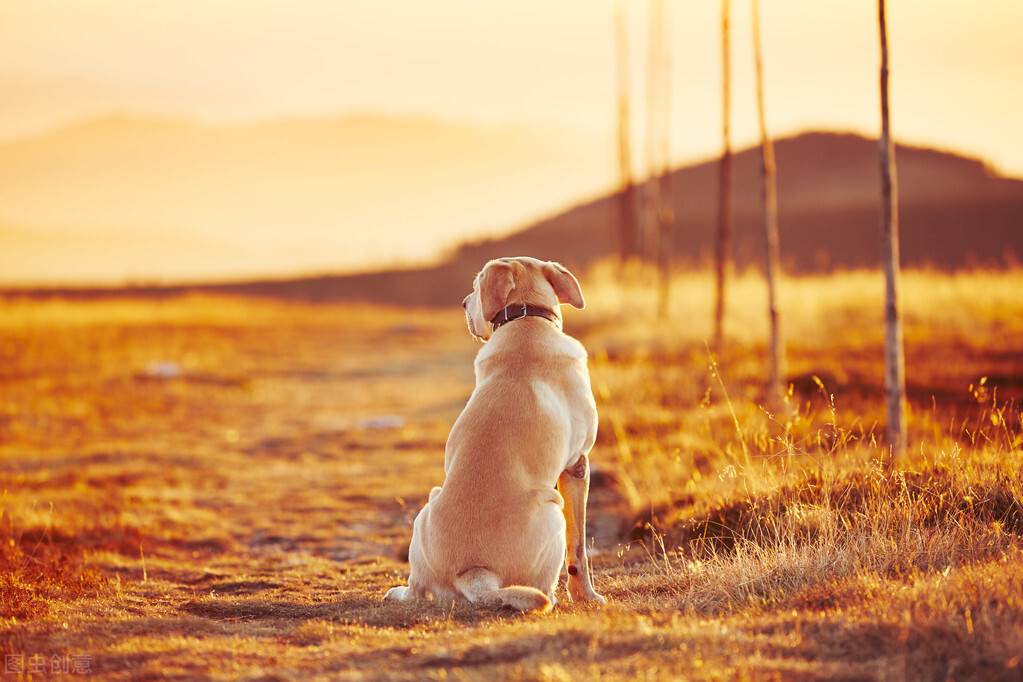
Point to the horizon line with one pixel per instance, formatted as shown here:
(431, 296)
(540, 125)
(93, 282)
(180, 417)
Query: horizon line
(214, 123)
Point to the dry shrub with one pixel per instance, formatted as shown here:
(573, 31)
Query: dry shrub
(771, 536)
(744, 509)
(936, 496)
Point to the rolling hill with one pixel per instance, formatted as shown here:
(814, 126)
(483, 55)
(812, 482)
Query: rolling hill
(955, 213)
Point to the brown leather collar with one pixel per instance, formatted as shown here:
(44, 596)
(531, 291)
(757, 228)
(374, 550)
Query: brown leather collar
(517, 311)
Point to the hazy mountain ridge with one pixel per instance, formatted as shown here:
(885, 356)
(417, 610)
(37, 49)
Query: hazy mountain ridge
(293, 195)
(955, 212)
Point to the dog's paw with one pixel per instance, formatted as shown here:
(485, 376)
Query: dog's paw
(396, 594)
(586, 596)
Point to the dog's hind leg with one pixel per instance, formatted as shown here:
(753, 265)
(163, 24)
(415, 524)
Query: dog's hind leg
(482, 586)
(416, 588)
(574, 484)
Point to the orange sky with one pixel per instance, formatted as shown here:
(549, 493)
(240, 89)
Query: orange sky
(527, 89)
(956, 64)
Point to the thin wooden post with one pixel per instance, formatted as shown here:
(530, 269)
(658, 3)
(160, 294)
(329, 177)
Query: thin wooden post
(724, 222)
(894, 363)
(653, 76)
(772, 261)
(665, 205)
(626, 237)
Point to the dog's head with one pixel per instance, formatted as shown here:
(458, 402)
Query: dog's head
(518, 280)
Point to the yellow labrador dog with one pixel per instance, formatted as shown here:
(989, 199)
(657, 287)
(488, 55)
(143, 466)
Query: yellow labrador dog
(498, 531)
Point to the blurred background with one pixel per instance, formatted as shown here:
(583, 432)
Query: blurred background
(212, 141)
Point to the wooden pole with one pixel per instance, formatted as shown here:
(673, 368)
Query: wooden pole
(651, 201)
(665, 208)
(894, 363)
(772, 264)
(724, 222)
(626, 236)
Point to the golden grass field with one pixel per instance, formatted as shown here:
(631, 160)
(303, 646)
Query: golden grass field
(223, 487)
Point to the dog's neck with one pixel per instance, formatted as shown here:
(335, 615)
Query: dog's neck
(518, 311)
(528, 342)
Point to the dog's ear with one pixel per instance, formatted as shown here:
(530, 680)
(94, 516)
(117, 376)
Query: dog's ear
(496, 284)
(566, 286)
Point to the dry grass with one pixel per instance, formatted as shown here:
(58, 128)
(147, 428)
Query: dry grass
(222, 488)
(36, 568)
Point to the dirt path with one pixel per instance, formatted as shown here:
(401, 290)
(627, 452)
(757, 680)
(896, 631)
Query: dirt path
(239, 479)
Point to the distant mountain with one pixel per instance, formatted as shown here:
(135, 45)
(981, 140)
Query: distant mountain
(955, 213)
(127, 197)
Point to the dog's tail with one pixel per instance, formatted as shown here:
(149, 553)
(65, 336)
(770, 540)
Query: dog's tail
(480, 585)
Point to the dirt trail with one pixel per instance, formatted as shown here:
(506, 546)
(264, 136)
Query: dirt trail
(228, 475)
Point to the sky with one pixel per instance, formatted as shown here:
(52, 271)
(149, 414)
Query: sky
(955, 67)
(955, 81)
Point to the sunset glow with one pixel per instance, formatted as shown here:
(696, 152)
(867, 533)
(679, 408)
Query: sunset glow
(546, 66)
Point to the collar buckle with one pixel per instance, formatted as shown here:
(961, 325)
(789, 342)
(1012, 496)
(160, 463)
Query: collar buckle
(504, 317)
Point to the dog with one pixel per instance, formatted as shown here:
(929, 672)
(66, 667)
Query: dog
(512, 509)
